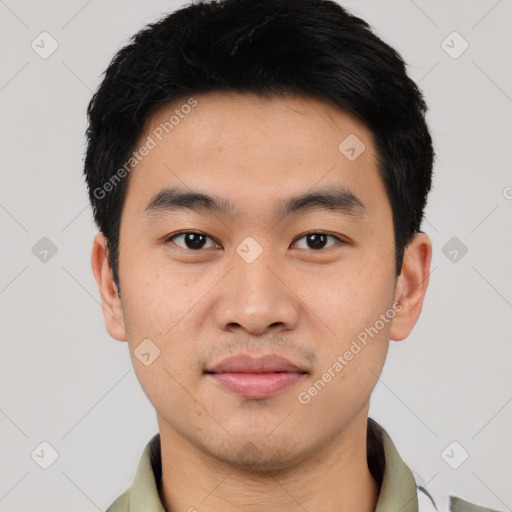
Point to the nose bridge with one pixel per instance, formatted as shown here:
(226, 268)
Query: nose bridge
(254, 296)
(252, 272)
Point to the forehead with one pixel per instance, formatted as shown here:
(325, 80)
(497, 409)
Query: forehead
(235, 144)
(230, 119)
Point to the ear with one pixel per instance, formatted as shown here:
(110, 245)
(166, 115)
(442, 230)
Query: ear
(411, 285)
(110, 300)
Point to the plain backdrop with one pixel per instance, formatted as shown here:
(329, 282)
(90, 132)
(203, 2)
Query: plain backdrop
(65, 382)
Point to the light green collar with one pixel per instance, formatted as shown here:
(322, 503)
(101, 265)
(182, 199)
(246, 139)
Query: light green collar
(397, 494)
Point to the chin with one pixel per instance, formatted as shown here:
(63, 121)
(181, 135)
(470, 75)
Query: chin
(262, 455)
(260, 465)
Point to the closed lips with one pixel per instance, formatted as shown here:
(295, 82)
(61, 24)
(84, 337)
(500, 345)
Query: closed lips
(244, 363)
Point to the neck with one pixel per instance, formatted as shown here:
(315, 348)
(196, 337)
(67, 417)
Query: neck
(334, 479)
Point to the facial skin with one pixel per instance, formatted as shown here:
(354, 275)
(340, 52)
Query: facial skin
(307, 304)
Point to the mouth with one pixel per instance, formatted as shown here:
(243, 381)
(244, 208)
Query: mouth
(257, 378)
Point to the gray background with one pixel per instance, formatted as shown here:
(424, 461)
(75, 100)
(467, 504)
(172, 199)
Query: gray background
(63, 380)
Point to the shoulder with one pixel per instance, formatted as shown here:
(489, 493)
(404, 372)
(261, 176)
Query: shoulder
(460, 505)
(121, 504)
(426, 503)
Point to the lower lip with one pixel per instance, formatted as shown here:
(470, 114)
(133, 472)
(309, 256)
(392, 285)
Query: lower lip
(256, 385)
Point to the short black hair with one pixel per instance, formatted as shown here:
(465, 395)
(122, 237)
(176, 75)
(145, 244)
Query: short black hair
(314, 48)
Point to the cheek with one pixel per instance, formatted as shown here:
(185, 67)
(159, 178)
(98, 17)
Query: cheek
(162, 309)
(351, 362)
(351, 304)
(159, 297)
(346, 299)
(164, 384)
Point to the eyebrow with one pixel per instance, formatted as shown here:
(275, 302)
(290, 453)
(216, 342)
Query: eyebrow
(331, 198)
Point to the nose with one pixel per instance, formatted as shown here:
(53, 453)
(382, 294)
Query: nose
(256, 297)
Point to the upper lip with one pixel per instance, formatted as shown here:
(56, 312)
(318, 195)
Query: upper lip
(244, 363)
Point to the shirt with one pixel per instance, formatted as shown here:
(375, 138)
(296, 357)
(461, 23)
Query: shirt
(398, 489)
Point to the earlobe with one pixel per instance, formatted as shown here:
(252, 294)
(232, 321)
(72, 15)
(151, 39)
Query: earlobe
(412, 285)
(110, 300)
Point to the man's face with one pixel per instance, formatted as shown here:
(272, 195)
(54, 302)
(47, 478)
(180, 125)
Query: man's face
(258, 283)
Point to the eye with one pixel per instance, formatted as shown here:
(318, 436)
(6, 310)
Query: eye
(192, 240)
(196, 241)
(318, 240)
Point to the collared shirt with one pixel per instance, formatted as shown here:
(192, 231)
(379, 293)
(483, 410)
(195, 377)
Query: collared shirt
(398, 489)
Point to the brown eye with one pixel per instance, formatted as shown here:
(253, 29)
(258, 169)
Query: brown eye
(317, 241)
(192, 240)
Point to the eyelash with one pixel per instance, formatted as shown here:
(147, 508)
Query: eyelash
(171, 237)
